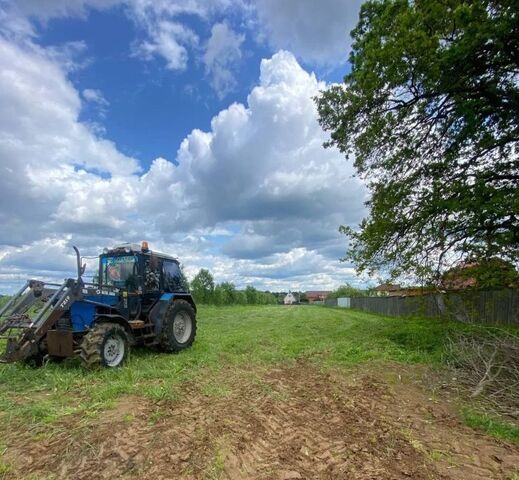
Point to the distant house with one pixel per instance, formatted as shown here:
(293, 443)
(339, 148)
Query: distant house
(289, 299)
(388, 290)
(415, 291)
(317, 296)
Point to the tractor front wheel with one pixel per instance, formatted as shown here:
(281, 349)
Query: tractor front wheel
(106, 345)
(179, 327)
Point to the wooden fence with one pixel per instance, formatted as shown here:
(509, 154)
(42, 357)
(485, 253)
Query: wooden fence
(489, 307)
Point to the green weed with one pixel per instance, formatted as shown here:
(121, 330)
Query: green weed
(491, 425)
(217, 465)
(5, 466)
(215, 389)
(129, 418)
(156, 416)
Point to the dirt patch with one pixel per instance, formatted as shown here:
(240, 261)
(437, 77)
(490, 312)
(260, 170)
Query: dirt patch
(287, 423)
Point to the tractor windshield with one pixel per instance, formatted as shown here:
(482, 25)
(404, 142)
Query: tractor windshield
(119, 271)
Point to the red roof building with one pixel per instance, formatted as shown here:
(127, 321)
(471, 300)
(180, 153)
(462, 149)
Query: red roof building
(317, 296)
(388, 290)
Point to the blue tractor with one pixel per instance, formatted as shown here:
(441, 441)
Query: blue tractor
(138, 298)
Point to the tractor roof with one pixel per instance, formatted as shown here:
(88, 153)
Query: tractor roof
(136, 248)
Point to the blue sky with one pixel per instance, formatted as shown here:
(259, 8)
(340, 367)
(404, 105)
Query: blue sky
(152, 108)
(187, 123)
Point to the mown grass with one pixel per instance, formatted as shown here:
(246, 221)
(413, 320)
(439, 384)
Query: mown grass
(228, 337)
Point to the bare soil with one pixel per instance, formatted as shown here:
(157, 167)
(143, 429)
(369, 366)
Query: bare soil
(286, 423)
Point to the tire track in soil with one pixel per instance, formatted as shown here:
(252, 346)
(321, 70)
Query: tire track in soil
(295, 423)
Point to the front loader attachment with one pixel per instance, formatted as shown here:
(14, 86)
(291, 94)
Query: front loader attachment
(31, 312)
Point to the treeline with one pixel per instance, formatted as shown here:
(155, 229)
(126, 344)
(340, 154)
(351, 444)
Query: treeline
(205, 291)
(349, 291)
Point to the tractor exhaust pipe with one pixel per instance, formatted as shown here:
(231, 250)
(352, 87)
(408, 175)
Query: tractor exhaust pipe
(80, 268)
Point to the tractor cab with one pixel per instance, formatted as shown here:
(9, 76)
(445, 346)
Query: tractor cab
(137, 269)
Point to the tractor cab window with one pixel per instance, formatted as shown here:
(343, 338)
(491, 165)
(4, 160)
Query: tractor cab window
(119, 271)
(172, 277)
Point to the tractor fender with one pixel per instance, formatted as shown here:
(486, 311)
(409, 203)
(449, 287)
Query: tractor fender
(171, 297)
(119, 320)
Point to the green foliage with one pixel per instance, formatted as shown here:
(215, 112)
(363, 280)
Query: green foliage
(229, 293)
(225, 293)
(252, 295)
(348, 291)
(202, 286)
(430, 112)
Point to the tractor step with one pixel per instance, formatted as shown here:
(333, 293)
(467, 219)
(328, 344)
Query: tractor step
(139, 324)
(136, 324)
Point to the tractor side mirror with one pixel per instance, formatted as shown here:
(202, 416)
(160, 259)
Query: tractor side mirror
(83, 268)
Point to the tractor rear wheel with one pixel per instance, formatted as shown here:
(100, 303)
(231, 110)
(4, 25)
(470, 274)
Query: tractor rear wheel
(179, 327)
(106, 345)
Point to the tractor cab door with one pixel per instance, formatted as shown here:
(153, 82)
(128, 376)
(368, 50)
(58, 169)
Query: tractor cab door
(133, 289)
(152, 266)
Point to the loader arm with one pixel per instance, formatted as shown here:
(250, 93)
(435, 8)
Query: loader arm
(24, 334)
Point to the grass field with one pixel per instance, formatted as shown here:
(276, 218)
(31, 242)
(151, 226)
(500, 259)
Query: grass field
(226, 336)
(229, 339)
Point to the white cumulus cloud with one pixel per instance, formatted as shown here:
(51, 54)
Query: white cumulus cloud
(266, 160)
(95, 96)
(222, 54)
(168, 40)
(255, 198)
(316, 31)
(42, 142)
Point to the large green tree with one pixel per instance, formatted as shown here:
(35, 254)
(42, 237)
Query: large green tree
(430, 114)
(202, 286)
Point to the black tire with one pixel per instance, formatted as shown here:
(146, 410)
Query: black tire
(56, 359)
(35, 361)
(174, 339)
(106, 345)
(38, 359)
